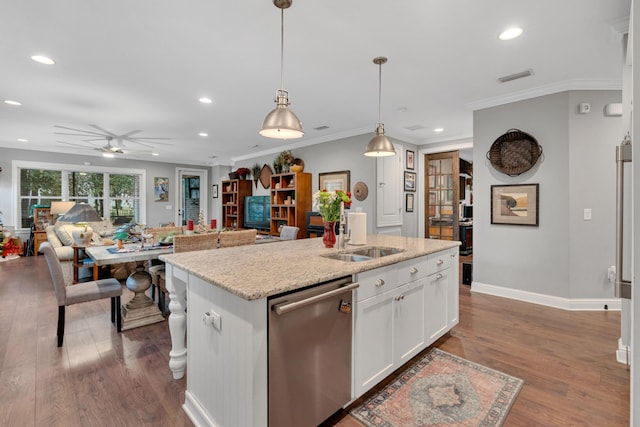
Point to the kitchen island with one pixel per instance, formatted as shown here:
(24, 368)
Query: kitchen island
(226, 321)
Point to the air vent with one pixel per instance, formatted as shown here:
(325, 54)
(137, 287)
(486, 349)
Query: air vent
(323, 127)
(515, 76)
(414, 127)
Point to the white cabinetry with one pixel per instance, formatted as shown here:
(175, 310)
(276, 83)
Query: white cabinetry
(400, 310)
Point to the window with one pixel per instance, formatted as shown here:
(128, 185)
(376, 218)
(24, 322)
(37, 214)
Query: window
(113, 192)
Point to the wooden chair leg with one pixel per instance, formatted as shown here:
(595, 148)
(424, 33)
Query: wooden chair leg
(113, 309)
(153, 292)
(118, 315)
(161, 301)
(60, 325)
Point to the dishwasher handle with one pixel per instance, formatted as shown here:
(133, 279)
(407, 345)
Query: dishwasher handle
(285, 308)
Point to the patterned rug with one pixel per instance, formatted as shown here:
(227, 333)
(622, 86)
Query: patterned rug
(442, 390)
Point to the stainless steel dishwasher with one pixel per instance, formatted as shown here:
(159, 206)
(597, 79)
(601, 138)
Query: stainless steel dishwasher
(310, 353)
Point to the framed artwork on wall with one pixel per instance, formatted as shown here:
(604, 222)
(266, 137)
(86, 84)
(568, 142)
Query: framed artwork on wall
(332, 181)
(515, 204)
(214, 191)
(161, 189)
(410, 155)
(409, 202)
(409, 181)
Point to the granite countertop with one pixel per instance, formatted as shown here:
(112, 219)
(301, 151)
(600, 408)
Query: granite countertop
(259, 271)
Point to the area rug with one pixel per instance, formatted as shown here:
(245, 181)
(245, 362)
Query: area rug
(442, 390)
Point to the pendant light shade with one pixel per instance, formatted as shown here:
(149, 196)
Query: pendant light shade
(380, 145)
(281, 122)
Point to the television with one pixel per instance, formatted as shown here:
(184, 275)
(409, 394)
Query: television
(257, 212)
(468, 212)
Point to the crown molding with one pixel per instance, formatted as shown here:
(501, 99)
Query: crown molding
(566, 85)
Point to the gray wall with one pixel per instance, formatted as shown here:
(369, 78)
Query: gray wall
(564, 256)
(339, 155)
(156, 211)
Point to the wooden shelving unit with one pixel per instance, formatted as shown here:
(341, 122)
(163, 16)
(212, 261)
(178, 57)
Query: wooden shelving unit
(233, 193)
(290, 200)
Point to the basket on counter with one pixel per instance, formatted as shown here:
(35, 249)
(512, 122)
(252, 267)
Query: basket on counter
(514, 152)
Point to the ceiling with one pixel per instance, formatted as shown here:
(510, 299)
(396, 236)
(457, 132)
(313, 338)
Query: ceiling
(143, 65)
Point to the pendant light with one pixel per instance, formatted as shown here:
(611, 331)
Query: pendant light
(281, 122)
(380, 145)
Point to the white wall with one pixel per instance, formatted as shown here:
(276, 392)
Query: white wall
(564, 256)
(339, 155)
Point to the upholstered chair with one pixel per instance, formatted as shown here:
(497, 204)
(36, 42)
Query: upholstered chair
(68, 294)
(289, 233)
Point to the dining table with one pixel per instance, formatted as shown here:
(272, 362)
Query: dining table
(140, 310)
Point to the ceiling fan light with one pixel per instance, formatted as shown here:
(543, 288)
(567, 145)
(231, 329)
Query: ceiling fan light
(281, 122)
(380, 145)
(108, 155)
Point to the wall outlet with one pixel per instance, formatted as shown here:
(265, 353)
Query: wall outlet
(584, 108)
(587, 214)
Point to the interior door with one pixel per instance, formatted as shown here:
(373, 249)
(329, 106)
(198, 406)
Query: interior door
(442, 196)
(192, 195)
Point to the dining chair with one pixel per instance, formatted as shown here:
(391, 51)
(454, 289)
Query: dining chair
(237, 238)
(289, 232)
(68, 294)
(181, 243)
(156, 265)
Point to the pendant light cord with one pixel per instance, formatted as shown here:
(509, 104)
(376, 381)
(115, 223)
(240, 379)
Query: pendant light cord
(379, 89)
(281, 49)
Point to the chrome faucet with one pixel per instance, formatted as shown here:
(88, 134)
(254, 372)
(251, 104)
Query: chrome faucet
(342, 239)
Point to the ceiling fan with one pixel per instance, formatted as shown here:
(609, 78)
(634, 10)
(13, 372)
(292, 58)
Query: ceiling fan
(108, 150)
(101, 134)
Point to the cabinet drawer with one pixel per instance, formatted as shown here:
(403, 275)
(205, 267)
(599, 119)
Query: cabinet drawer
(414, 269)
(438, 261)
(376, 282)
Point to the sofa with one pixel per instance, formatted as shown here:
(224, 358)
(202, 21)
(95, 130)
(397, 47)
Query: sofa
(60, 238)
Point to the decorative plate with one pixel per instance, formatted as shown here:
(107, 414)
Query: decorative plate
(265, 176)
(360, 191)
(514, 152)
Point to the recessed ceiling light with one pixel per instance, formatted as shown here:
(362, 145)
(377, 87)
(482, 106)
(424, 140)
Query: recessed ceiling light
(510, 33)
(203, 134)
(10, 102)
(23, 140)
(155, 154)
(438, 130)
(43, 59)
(205, 100)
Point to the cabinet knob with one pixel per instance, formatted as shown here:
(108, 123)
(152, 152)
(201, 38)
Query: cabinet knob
(399, 298)
(379, 282)
(439, 276)
(413, 271)
(440, 262)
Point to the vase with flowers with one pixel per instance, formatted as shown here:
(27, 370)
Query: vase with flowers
(330, 205)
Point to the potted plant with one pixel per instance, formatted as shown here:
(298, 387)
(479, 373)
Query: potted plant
(243, 172)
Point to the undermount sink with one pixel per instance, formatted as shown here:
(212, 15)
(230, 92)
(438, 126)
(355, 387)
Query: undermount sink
(364, 254)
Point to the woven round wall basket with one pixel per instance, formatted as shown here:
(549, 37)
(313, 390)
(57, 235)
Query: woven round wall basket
(514, 152)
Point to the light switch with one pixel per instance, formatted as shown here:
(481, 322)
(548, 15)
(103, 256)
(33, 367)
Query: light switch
(168, 207)
(587, 214)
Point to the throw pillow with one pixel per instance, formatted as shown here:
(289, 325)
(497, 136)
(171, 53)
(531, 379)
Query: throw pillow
(63, 231)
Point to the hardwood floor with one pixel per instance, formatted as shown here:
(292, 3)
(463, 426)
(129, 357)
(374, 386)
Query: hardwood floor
(101, 378)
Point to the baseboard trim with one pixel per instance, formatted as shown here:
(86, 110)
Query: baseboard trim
(571, 304)
(195, 412)
(623, 354)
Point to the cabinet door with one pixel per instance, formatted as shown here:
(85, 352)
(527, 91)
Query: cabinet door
(408, 311)
(435, 305)
(373, 343)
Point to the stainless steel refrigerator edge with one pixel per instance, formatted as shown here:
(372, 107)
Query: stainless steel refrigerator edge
(310, 335)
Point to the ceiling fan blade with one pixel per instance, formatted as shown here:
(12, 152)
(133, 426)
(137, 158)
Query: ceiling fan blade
(128, 134)
(106, 132)
(84, 132)
(75, 145)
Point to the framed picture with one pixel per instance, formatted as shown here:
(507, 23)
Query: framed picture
(410, 160)
(409, 181)
(332, 181)
(214, 191)
(161, 189)
(409, 202)
(515, 204)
